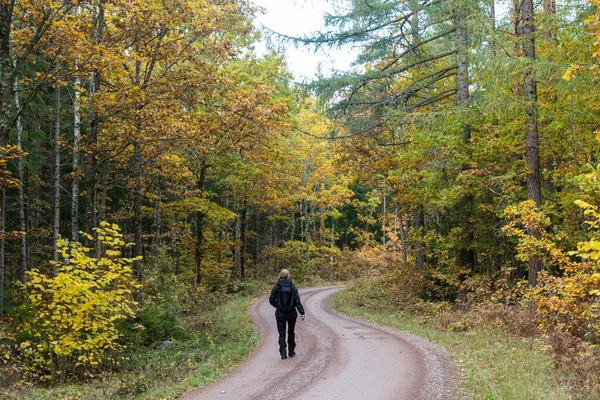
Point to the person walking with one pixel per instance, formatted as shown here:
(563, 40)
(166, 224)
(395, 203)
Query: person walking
(286, 300)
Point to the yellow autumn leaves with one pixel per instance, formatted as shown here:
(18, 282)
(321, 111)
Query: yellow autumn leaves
(71, 321)
(570, 300)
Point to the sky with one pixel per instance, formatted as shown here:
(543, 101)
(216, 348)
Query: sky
(297, 18)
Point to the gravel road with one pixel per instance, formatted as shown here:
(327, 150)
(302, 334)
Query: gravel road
(337, 358)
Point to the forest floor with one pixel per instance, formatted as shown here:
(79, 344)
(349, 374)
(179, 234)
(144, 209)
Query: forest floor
(337, 357)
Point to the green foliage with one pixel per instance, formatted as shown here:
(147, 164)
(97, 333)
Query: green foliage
(159, 325)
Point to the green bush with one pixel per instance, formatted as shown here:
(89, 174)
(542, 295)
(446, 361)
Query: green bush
(159, 326)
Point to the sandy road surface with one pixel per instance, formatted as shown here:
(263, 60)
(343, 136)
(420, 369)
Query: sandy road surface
(337, 358)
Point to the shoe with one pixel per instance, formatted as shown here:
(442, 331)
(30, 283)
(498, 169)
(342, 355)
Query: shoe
(292, 353)
(283, 356)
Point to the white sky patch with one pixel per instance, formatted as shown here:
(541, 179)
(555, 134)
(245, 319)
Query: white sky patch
(298, 18)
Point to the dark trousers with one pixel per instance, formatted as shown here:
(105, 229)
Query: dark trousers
(291, 343)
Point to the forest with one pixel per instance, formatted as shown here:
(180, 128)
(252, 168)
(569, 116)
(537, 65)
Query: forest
(153, 164)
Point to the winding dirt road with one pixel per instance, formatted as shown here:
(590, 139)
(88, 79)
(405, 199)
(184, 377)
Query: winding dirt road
(337, 358)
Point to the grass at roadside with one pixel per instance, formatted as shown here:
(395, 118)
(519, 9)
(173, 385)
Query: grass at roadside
(496, 365)
(216, 341)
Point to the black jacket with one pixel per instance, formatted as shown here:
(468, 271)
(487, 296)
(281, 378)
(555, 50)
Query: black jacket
(280, 314)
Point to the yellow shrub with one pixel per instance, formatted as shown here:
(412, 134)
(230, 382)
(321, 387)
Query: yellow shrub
(526, 217)
(70, 324)
(570, 301)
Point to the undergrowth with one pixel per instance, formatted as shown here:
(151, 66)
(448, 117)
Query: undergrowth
(213, 342)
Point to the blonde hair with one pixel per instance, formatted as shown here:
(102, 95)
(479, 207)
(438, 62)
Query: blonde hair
(285, 274)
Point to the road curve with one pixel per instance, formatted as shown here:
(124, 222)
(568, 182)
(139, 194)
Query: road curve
(337, 358)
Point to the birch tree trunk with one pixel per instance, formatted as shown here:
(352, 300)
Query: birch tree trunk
(20, 173)
(76, 145)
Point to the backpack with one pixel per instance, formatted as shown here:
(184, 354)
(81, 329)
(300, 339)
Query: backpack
(285, 299)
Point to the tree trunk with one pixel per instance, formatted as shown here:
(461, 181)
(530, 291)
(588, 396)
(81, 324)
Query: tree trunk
(91, 189)
(302, 220)
(414, 27)
(199, 228)
(137, 208)
(419, 227)
(293, 229)
(383, 233)
(492, 28)
(6, 69)
(2, 249)
(199, 251)
(56, 223)
(76, 143)
(243, 227)
(307, 221)
(462, 71)
(20, 171)
(7, 86)
(76, 172)
(531, 136)
(255, 250)
(516, 21)
(237, 229)
(549, 9)
(157, 217)
(307, 210)
(403, 240)
(103, 185)
(466, 255)
(92, 136)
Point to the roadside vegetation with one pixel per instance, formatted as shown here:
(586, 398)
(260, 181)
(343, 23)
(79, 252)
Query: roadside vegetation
(499, 338)
(495, 365)
(202, 345)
